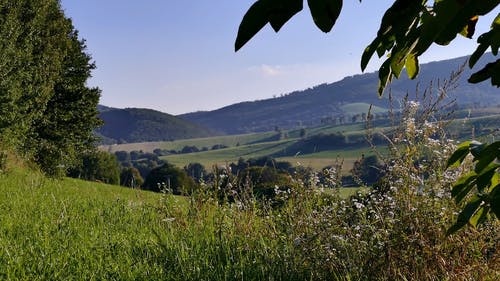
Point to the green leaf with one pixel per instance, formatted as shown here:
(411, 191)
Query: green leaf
(325, 13)
(487, 155)
(253, 21)
(490, 71)
(470, 28)
(396, 66)
(495, 180)
(479, 51)
(465, 215)
(368, 53)
(384, 75)
(281, 11)
(476, 148)
(480, 216)
(491, 38)
(494, 198)
(412, 66)
(484, 180)
(463, 186)
(459, 155)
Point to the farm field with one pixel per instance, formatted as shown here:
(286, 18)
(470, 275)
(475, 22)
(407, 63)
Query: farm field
(231, 140)
(320, 160)
(228, 155)
(264, 144)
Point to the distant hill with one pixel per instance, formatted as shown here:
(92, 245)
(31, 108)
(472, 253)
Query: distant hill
(331, 101)
(143, 125)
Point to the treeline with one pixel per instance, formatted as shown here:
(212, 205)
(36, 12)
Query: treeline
(327, 141)
(47, 112)
(186, 149)
(263, 177)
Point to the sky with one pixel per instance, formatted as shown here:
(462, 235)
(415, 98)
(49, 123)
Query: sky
(178, 56)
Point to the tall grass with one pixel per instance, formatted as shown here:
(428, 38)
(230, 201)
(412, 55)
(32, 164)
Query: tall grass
(71, 230)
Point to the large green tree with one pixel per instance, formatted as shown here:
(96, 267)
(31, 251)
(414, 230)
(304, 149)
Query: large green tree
(407, 30)
(169, 177)
(71, 115)
(47, 113)
(32, 39)
(97, 166)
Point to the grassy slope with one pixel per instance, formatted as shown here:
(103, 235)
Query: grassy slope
(228, 155)
(70, 229)
(360, 108)
(75, 230)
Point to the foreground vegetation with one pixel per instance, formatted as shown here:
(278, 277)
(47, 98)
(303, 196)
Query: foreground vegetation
(293, 230)
(72, 230)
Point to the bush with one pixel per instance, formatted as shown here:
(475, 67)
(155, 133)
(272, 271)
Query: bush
(97, 166)
(171, 179)
(122, 156)
(196, 171)
(130, 177)
(266, 182)
(189, 149)
(219, 146)
(368, 170)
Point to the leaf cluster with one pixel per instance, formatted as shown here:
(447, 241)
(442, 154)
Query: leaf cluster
(407, 30)
(480, 187)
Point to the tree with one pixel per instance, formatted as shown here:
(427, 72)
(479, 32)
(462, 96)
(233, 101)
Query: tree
(196, 171)
(71, 114)
(47, 113)
(33, 35)
(170, 177)
(407, 30)
(131, 177)
(122, 156)
(368, 169)
(264, 181)
(97, 166)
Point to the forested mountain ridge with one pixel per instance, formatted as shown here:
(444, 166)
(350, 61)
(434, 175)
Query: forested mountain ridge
(143, 125)
(334, 101)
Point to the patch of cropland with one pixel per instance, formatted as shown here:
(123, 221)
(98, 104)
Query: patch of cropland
(208, 142)
(315, 147)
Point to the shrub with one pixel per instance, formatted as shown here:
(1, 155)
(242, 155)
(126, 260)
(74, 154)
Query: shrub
(131, 177)
(169, 177)
(196, 171)
(97, 166)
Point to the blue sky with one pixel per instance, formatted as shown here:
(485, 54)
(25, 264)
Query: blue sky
(178, 56)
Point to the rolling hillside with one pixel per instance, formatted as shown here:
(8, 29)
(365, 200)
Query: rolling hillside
(143, 125)
(333, 101)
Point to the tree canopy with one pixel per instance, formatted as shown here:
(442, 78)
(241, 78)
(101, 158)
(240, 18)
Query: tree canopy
(47, 112)
(407, 30)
